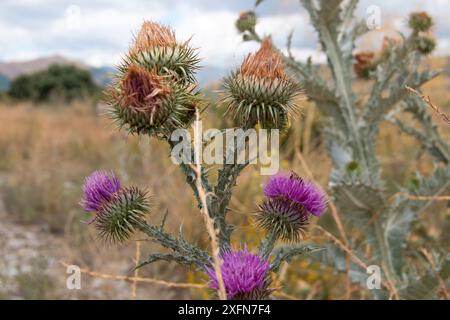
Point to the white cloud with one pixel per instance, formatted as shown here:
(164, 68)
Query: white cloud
(30, 29)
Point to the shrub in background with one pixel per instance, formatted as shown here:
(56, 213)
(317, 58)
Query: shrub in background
(59, 82)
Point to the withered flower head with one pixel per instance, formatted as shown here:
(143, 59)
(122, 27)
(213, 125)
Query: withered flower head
(153, 35)
(142, 90)
(264, 63)
(155, 89)
(260, 92)
(146, 102)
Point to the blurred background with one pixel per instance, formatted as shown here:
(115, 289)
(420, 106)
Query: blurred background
(56, 59)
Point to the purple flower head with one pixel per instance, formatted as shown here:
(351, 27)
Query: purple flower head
(293, 188)
(98, 189)
(244, 275)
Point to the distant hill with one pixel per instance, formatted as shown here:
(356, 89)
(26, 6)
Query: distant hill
(13, 69)
(10, 70)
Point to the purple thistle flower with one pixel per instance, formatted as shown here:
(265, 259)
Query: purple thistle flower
(293, 188)
(244, 275)
(98, 189)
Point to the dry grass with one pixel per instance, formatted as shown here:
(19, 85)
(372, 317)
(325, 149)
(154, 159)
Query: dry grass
(45, 154)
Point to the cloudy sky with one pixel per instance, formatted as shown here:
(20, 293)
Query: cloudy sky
(99, 31)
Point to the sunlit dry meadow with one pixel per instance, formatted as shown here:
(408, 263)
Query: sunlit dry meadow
(47, 150)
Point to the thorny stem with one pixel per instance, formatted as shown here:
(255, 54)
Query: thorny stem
(427, 100)
(184, 248)
(268, 244)
(209, 222)
(191, 175)
(386, 257)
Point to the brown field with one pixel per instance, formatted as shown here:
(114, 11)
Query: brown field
(46, 151)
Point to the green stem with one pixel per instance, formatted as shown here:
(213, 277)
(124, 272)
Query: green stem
(180, 246)
(268, 244)
(386, 260)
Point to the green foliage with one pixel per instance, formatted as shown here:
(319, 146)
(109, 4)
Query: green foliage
(58, 82)
(356, 181)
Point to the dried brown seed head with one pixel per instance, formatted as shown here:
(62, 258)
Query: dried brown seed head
(264, 63)
(153, 35)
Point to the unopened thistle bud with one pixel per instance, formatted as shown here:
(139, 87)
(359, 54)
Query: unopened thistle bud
(420, 21)
(245, 276)
(289, 203)
(156, 48)
(425, 44)
(117, 211)
(246, 21)
(260, 92)
(147, 103)
(120, 217)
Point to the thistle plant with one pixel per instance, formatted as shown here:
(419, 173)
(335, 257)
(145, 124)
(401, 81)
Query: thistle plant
(377, 220)
(154, 94)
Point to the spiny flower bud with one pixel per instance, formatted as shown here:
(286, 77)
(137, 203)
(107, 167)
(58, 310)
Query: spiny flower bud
(246, 21)
(118, 219)
(420, 21)
(289, 203)
(425, 44)
(147, 103)
(156, 48)
(259, 92)
(117, 211)
(245, 275)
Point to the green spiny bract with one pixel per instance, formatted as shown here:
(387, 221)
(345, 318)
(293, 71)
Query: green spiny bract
(178, 61)
(286, 219)
(157, 49)
(118, 218)
(260, 93)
